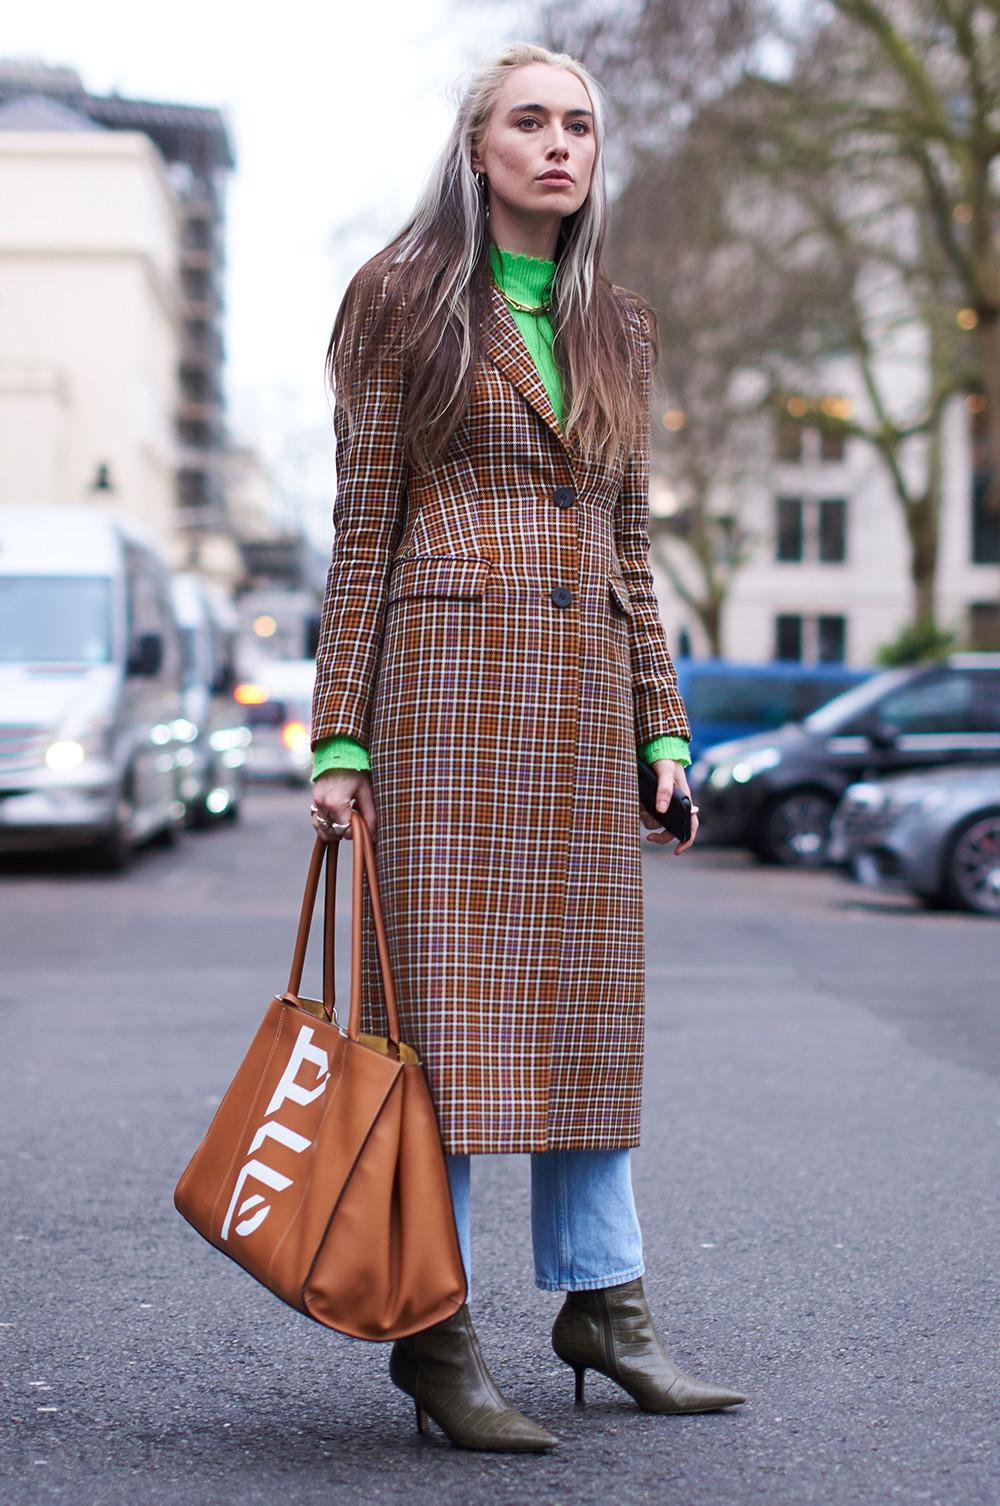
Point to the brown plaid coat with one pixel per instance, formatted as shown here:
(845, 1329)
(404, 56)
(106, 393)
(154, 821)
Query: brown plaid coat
(490, 633)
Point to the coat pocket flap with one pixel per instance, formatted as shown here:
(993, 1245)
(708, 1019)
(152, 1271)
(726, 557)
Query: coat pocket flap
(619, 593)
(438, 575)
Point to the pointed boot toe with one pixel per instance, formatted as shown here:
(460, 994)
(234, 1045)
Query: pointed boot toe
(519, 1434)
(689, 1394)
(444, 1371)
(611, 1330)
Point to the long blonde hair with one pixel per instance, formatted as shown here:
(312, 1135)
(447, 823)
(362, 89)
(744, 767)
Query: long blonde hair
(426, 296)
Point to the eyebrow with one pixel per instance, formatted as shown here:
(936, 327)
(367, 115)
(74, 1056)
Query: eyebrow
(544, 110)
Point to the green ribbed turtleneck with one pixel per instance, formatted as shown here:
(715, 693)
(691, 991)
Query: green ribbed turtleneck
(529, 280)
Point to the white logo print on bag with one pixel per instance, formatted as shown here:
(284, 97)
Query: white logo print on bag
(288, 1088)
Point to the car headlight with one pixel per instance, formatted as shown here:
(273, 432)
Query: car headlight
(224, 738)
(66, 753)
(89, 740)
(866, 797)
(743, 769)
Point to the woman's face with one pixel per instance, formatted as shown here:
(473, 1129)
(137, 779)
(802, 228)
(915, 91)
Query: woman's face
(539, 150)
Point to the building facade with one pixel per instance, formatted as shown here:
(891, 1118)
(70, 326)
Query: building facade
(828, 577)
(111, 304)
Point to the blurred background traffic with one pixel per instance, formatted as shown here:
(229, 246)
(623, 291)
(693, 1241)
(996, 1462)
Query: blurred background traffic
(807, 194)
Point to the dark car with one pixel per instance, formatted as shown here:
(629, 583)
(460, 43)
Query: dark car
(726, 699)
(775, 793)
(936, 833)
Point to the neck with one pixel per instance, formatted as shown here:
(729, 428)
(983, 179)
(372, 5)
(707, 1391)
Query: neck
(524, 235)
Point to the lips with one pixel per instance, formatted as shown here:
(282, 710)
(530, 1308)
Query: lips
(554, 177)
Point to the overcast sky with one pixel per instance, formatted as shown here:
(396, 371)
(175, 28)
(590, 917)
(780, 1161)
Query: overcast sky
(337, 109)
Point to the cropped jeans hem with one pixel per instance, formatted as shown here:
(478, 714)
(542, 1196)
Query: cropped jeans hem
(591, 1283)
(584, 1227)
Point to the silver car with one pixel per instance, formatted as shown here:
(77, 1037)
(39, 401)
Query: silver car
(277, 704)
(935, 832)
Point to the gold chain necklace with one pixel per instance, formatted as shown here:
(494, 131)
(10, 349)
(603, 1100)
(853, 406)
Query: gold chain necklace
(523, 308)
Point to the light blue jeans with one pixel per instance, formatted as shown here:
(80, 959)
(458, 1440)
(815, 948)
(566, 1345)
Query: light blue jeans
(584, 1227)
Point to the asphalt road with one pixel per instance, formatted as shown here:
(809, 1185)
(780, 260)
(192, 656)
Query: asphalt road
(817, 1186)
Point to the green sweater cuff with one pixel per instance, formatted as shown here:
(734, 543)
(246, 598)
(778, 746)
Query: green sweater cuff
(677, 748)
(344, 753)
(338, 752)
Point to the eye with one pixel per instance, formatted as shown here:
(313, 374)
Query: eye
(528, 120)
(584, 128)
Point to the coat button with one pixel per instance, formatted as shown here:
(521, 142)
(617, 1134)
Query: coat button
(562, 596)
(564, 496)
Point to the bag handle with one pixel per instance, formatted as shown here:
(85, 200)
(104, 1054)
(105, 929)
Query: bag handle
(305, 923)
(360, 827)
(364, 866)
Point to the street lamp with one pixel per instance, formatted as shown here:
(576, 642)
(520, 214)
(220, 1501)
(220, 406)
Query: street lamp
(102, 481)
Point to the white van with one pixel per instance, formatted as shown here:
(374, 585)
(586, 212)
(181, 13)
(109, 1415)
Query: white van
(212, 728)
(90, 684)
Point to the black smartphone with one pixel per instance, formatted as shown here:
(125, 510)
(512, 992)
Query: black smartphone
(677, 816)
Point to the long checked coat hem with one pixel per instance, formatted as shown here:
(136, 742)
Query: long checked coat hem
(491, 634)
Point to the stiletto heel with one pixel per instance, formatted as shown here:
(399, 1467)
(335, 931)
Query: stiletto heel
(611, 1330)
(443, 1370)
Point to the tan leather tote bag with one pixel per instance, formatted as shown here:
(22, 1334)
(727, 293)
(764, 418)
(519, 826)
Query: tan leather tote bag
(322, 1172)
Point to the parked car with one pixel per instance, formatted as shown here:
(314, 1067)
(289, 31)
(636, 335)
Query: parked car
(90, 684)
(212, 728)
(726, 700)
(775, 793)
(277, 703)
(936, 833)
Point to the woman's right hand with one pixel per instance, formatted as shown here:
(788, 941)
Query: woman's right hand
(333, 794)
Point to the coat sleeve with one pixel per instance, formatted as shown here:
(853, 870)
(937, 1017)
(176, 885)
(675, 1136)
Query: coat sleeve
(659, 707)
(368, 515)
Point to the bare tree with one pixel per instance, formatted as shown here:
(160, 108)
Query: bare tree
(895, 288)
(916, 84)
(660, 62)
(681, 236)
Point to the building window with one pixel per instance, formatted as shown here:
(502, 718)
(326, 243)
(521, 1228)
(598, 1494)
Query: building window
(985, 522)
(798, 442)
(832, 447)
(789, 529)
(805, 639)
(788, 636)
(810, 530)
(984, 626)
(831, 635)
(788, 441)
(832, 530)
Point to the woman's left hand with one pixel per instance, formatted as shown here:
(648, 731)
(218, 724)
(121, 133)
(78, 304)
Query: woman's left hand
(670, 776)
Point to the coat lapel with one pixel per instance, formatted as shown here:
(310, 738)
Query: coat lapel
(506, 348)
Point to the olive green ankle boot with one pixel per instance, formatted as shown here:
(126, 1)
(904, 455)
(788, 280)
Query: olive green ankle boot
(610, 1329)
(443, 1369)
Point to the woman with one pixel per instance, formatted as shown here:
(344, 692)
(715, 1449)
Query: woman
(490, 655)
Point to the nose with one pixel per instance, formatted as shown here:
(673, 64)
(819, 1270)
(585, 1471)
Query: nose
(557, 149)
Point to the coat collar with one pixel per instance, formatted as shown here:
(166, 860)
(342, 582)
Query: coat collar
(506, 348)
